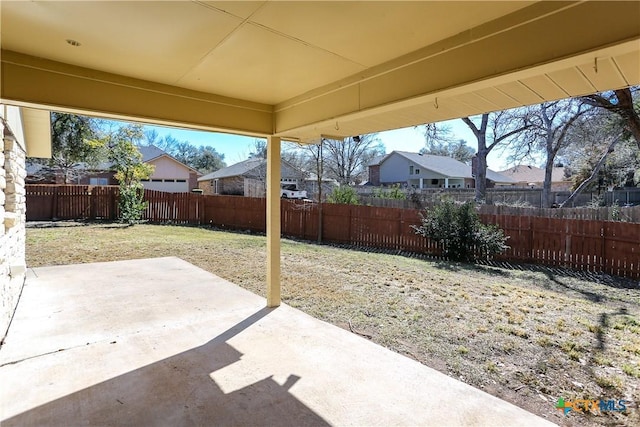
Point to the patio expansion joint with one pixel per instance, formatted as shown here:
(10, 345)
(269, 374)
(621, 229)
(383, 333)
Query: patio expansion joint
(15, 362)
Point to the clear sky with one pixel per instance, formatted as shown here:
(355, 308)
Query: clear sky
(237, 148)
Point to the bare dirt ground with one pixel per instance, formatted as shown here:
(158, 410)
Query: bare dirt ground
(526, 335)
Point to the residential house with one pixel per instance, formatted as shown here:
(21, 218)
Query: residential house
(426, 171)
(311, 185)
(82, 174)
(533, 177)
(247, 178)
(169, 174)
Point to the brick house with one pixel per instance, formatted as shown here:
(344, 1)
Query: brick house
(246, 178)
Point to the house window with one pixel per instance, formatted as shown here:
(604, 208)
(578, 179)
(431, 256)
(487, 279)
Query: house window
(98, 181)
(410, 170)
(434, 182)
(417, 171)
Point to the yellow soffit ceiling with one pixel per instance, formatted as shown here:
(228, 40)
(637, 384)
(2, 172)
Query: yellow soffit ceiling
(302, 69)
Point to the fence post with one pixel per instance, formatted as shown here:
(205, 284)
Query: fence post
(350, 230)
(54, 203)
(114, 203)
(92, 203)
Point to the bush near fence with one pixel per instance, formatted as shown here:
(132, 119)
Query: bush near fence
(584, 244)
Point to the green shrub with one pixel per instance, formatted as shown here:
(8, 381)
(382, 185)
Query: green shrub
(343, 195)
(131, 203)
(394, 192)
(460, 233)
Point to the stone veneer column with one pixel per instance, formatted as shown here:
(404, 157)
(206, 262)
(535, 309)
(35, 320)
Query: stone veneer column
(12, 225)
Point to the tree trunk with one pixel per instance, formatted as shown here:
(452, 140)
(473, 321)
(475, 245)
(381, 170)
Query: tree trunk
(546, 186)
(593, 175)
(548, 166)
(626, 109)
(481, 175)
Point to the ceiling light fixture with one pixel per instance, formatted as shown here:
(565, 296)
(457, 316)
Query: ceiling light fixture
(73, 43)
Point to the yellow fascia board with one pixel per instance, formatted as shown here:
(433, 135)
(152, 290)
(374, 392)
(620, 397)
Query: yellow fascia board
(37, 132)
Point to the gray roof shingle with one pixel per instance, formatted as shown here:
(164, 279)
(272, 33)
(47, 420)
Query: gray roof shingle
(527, 174)
(238, 169)
(448, 166)
(150, 152)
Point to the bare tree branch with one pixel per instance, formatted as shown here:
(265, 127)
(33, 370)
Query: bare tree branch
(594, 173)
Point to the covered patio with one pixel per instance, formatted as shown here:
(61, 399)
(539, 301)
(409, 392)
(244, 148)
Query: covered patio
(162, 342)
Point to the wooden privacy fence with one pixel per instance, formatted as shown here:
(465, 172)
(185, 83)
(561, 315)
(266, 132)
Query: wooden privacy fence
(47, 202)
(590, 245)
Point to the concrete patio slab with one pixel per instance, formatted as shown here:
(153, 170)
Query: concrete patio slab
(162, 342)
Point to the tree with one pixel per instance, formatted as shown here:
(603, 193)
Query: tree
(130, 170)
(259, 149)
(457, 149)
(346, 161)
(492, 130)
(208, 160)
(440, 141)
(549, 134)
(73, 142)
(185, 152)
(594, 172)
(625, 103)
(204, 159)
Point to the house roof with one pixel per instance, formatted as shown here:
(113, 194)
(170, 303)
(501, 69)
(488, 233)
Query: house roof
(527, 174)
(243, 168)
(443, 165)
(151, 152)
(377, 160)
(447, 166)
(238, 169)
(313, 177)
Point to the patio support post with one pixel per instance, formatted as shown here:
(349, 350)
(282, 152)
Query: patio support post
(273, 221)
(446, 183)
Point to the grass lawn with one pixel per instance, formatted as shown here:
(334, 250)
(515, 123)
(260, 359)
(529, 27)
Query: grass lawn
(527, 336)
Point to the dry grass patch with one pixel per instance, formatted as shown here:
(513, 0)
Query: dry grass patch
(529, 337)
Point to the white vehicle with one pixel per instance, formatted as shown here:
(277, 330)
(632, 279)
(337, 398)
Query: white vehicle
(290, 191)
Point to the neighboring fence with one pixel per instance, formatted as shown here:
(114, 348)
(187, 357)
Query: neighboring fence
(612, 213)
(591, 245)
(530, 197)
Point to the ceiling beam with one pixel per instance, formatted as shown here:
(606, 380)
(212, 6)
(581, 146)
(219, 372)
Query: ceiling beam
(30, 81)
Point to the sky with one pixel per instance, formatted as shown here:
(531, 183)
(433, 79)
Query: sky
(237, 148)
